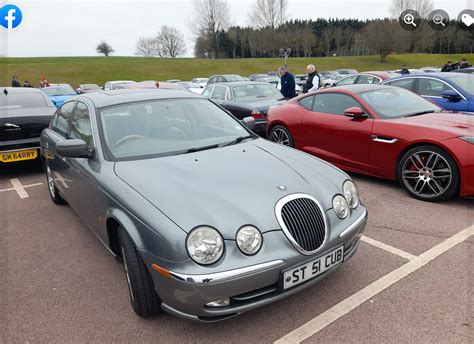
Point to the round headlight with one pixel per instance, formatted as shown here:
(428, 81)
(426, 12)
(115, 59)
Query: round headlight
(205, 245)
(340, 206)
(351, 193)
(249, 240)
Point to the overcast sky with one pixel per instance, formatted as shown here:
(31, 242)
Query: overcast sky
(74, 27)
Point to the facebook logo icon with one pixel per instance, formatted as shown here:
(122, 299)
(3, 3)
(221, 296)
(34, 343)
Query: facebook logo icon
(10, 16)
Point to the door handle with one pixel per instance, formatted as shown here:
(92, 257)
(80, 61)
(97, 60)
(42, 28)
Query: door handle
(389, 140)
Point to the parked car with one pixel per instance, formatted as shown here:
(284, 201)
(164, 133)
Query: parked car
(331, 81)
(173, 81)
(365, 78)
(431, 69)
(469, 70)
(152, 84)
(246, 98)
(225, 78)
(191, 87)
(58, 93)
(385, 132)
(300, 79)
(256, 77)
(452, 91)
(117, 85)
(202, 82)
(164, 180)
(411, 70)
(86, 88)
(346, 71)
(24, 113)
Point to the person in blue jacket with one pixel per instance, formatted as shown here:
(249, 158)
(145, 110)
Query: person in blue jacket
(287, 83)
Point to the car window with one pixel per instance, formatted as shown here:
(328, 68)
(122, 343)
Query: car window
(21, 100)
(221, 79)
(334, 103)
(368, 79)
(207, 91)
(255, 91)
(464, 82)
(219, 93)
(347, 81)
(307, 102)
(431, 87)
(81, 124)
(61, 124)
(212, 80)
(404, 83)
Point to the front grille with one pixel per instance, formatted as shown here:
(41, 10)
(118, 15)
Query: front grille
(303, 222)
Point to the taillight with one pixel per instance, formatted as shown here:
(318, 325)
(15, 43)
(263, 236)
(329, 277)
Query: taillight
(257, 114)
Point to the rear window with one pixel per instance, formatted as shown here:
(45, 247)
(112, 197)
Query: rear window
(22, 100)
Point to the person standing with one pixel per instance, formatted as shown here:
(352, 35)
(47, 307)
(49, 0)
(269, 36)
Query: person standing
(43, 82)
(27, 84)
(447, 67)
(287, 83)
(15, 82)
(404, 70)
(464, 64)
(313, 80)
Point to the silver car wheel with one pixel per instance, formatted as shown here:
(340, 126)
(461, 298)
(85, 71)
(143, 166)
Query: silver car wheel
(51, 186)
(280, 136)
(130, 289)
(427, 174)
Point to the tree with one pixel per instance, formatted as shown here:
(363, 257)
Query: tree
(384, 37)
(148, 46)
(268, 13)
(171, 41)
(210, 17)
(104, 48)
(423, 7)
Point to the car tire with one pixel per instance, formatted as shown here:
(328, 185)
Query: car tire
(281, 135)
(52, 189)
(429, 173)
(143, 297)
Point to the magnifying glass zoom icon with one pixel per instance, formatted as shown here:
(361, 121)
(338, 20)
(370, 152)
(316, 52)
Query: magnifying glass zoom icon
(409, 19)
(438, 20)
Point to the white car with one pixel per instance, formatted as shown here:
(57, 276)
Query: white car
(191, 86)
(117, 84)
(202, 82)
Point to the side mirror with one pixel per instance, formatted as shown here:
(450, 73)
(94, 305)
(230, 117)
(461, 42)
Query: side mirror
(355, 112)
(73, 149)
(451, 95)
(249, 122)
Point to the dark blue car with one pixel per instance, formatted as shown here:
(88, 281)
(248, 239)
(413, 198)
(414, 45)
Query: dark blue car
(59, 93)
(452, 91)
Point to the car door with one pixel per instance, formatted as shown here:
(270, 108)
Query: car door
(80, 172)
(432, 89)
(406, 83)
(331, 135)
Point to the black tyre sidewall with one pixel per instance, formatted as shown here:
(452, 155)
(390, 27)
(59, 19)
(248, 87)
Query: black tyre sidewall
(145, 301)
(451, 191)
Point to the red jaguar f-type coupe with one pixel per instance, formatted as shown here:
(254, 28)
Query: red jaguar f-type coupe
(382, 131)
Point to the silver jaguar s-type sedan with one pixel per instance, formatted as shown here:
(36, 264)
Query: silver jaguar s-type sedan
(209, 220)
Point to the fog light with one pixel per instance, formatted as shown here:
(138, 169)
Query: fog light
(219, 303)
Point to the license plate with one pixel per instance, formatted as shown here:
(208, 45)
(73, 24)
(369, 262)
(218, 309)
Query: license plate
(18, 156)
(313, 268)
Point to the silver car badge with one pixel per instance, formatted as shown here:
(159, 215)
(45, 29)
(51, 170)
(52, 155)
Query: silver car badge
(281, 187)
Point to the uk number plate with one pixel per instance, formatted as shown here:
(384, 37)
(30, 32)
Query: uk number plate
(18, 156)
(313, 268)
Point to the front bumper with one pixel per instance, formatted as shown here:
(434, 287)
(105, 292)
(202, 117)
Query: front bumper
(186, 295)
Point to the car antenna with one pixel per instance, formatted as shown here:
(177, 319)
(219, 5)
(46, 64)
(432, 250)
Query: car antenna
(5, 92)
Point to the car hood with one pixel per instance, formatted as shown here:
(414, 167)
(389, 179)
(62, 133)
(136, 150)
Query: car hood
(452, 123)
(229, 187)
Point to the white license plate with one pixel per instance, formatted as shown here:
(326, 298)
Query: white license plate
(313, 268)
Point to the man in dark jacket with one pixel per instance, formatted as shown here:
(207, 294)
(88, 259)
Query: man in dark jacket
(404, 70)
(15, 82)
(447, 67)
(287, 83)
(313, 80)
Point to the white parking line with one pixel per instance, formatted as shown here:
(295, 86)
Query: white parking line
(388, 248)
(345, 306)
(19, 188)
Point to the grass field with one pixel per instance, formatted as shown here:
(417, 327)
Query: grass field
(76, 70)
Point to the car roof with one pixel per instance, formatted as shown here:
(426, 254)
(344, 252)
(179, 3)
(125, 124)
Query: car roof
(118, 81)
(19, 90)
(56, 85)
(116, 97)
(359, 88)
(239, 83)
(446, 76)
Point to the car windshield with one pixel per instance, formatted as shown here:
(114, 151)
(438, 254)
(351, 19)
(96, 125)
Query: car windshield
(167, 127)
(90, 87)
(464, 82)
(246, 92)
(397, 102)
(231, 78)
(21, 100)
(65, 90)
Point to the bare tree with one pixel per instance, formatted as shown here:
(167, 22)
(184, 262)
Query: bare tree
(384, 37)
(148, 46)
(171, 41)
(210, 17)
(104, 48)
(268, 13)
(423, 7)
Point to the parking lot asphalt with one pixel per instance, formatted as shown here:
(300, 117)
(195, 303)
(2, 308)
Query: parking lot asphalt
(410, 281)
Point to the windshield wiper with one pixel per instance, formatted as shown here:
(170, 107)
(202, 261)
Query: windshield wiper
(198, 149)
(238, 140)
(420, 113)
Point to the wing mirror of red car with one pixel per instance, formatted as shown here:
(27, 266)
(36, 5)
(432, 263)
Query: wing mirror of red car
(355, 112)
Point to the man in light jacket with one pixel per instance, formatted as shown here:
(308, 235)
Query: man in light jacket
(313, 80)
